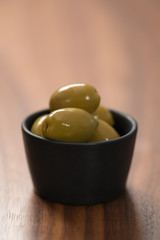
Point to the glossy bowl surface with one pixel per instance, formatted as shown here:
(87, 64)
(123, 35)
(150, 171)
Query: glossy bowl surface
(80, 173)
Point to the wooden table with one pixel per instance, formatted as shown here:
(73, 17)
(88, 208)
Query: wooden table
(113, 45)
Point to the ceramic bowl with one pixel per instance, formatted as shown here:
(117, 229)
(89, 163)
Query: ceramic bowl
(80, 173)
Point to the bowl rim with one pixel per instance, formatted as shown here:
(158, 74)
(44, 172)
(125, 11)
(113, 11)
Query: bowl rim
(43, 111)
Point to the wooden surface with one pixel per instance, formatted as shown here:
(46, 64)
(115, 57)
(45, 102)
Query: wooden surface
(113, 45)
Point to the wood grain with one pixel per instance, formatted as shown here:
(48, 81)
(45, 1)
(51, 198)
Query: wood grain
(113, 45)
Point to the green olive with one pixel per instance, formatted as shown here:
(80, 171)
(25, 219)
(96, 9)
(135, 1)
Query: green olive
(104, 132)
(78, 95)
(37, 125)
(69, 125)
(104, 114)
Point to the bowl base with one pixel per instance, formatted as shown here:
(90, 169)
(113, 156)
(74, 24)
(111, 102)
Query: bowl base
(73, 202)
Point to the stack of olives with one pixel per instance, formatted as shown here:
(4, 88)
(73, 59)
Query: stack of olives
(76, 116)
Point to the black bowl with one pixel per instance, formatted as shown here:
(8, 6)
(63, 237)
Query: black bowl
(80, 173)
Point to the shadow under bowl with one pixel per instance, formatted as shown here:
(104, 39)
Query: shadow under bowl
(80, 173)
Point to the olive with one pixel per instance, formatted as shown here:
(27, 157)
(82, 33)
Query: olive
(37, 125)
(104, 114)
(104, 132)
(69, 125)
(78, 95)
